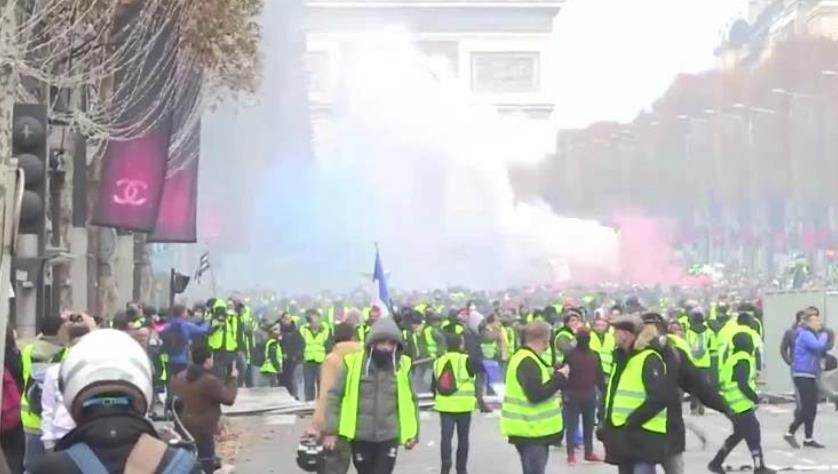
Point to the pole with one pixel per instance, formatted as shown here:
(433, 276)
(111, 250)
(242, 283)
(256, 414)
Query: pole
(214, 284)
(171, 289)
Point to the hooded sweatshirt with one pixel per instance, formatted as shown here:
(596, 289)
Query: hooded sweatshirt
(377, 402)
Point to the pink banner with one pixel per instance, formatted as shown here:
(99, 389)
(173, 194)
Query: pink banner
(176, 220)
(133, 172)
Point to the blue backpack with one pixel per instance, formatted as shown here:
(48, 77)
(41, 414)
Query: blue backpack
(87, 461)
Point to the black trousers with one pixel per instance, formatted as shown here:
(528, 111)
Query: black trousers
(807, 405)
(572, 410)
(374, 458)
(311, 375)
(462, 423)
(745, 426)
(287, 377)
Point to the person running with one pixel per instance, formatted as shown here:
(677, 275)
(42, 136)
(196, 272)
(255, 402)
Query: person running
(634, 425)
(455, 400)
(738, 385)
(811, 344)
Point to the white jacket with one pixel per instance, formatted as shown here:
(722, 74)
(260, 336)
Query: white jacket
(55, 419)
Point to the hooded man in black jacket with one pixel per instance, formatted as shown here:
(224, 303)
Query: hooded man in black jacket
(683, 374)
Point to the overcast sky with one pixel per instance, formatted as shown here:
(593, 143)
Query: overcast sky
(617, 56)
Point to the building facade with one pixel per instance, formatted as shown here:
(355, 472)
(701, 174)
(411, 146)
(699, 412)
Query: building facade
(752, 40)
(500, 51)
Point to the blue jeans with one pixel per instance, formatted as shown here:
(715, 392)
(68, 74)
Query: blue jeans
(533, 457)
(34, 451)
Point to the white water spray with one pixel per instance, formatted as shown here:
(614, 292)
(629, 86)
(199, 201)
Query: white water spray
(410, 163)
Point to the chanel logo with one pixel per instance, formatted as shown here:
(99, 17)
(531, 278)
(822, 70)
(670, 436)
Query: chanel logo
(131, 192)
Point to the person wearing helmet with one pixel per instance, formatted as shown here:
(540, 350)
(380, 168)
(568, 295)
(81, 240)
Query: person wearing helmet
(372, 404)
(106, 381)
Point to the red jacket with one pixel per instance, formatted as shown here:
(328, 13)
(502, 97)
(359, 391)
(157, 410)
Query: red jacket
(10, 418)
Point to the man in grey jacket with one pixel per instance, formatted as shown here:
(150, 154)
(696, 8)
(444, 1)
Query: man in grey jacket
(372, 403)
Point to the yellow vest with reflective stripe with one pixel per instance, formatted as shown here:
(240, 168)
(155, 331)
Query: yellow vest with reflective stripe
(315, 350)
(464, 399)
(268, 367)
(630, 393)
(734, 397)
(604, 346)
(407, 415)
(521, 418)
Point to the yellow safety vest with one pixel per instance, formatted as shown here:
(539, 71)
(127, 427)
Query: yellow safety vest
(511, 338)
(734, 397)
(407, 414)
(700, 344)
(430, 341)
(604, 346)
(521, 418)
(33, 372)
(268, 367)
(464, 399)
(315, 350)
(680, 343)
(226, 337)
(630, 393)
(563, 333)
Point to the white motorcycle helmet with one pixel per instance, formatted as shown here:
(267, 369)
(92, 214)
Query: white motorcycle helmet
(106, 361)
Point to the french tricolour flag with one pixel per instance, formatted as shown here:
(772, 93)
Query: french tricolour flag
(381, 295)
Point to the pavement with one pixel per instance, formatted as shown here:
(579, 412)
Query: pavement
(269, 442)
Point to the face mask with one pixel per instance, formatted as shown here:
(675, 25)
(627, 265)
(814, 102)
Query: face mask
(382, 358)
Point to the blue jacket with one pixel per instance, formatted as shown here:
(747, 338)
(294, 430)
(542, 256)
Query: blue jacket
(190, 331)
(808, 350)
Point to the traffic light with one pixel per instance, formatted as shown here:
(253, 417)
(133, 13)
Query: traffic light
(29, 147)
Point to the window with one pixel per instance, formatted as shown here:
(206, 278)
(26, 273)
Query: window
(505, 72)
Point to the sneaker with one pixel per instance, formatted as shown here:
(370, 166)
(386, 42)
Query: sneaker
(716, 467)
(592, 458)
(790, 439)
(571, 459)
(764, 470)
(810, 443)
